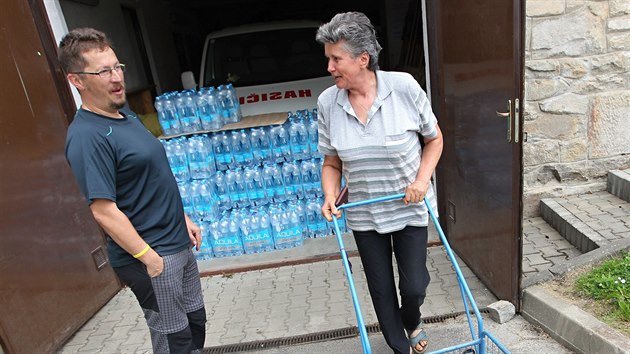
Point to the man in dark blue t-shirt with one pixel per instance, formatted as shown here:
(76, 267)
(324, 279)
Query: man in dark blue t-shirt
(123, 171)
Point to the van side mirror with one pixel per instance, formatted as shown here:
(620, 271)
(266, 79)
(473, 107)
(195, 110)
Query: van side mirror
(188, 80)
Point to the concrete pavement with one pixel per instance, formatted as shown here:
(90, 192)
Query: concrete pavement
(291, 300)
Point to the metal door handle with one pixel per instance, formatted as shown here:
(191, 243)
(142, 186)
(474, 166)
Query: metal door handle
(507, 115)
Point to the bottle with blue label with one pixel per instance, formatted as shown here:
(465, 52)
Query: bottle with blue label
(205, 249)
(273, 183)
(292, 180)
(210, 166)
(236, 104)
(203, 198)
(223, 200)
(298, 137)
(212, 97)
(265, 227)
(162, 116)
(178, 159)
(261, 144)
(228, 108)
(167, 114)
(225, 237)
(187, 197)
(313, 138)
(207, 109)
(197, 153)
(322, 223)
(309, 176)
(236, 186)
(187, 110)
(222, 148)
(255, 186)
(255, 234)
(316, 222)
(299, 205)
(280, 147)
(290, 233)
(241, 149)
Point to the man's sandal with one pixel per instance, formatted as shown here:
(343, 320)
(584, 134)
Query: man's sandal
(421, 336)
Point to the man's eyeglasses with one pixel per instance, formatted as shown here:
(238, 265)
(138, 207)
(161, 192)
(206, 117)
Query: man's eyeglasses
(105, 73)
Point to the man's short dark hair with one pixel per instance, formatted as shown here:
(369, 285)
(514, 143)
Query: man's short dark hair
(77, 42)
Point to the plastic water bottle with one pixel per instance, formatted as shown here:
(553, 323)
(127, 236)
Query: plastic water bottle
(311, 178)
(237, 188)
(167, 115)
(200, 158)
(187, 198)
(210, 166)
(280, 147)
(225, 237)
(273, 183)
(187, 110)
(255, 238)
(208, 112)
(205, 249)
(162, 116)
(223, 201)
(313, 138)
(264, 229)
(315, 221)
(241, 149)
(228, 109)
(222, 148)
(299, 206)
(322, 224)
(292, 180)
(203, 198)
(176, 153)
(236, 105)
(290, 234)
(261, 145)
(298, 137)
(255, 185)
(249, 229)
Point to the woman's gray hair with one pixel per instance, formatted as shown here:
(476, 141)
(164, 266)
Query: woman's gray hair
(357, 32)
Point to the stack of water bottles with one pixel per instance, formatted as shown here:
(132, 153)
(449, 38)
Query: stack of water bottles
(191, 111)
(252, 190)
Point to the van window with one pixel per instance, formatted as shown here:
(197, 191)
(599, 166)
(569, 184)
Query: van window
(264, 57)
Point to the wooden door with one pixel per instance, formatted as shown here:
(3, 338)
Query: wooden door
(53, 271)
(476, 51)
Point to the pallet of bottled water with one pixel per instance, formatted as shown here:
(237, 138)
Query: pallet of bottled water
(252, 190)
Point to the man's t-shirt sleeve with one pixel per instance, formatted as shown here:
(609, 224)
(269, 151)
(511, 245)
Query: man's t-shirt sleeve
(93, 163)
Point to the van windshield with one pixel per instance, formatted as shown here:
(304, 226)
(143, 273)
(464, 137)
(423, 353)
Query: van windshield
(258, 58)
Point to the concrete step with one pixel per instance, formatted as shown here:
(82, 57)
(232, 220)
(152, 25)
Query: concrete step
(619, 184)
(588, 221)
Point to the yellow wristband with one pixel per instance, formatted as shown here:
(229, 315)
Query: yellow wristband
(141, 253)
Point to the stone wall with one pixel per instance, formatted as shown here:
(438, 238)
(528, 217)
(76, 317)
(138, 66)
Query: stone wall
(577, 96)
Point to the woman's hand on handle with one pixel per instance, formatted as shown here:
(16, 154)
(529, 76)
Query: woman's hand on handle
(329, 208)
(415, 192)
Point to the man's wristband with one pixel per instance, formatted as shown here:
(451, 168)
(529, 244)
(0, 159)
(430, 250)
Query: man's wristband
(141, 253)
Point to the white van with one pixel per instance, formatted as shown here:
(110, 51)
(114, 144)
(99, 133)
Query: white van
(274, 66)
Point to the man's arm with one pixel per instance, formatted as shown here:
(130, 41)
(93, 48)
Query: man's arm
(120, 229)
(194, 232)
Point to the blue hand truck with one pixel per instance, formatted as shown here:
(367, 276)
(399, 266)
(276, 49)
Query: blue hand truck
(482, 341)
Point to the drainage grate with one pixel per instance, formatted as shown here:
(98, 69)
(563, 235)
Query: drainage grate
(315, 337)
